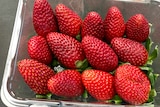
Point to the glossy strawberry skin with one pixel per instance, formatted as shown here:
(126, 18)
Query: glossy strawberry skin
(131, 84)
(69, 22)
(38, 49)
(66, 49)
(130, 51)
(137, 28)
(35, 74)
(114, 24)
(93, 25)
(99, 84)
(99, 54)
(67, 83)
(44, 20)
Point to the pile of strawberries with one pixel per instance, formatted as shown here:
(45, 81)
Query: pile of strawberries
(103, 59)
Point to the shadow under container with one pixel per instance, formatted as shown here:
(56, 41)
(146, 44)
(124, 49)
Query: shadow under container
(15, 92)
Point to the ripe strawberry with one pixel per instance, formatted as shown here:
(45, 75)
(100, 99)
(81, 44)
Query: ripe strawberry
(114, 24)
(99, 84)
(137, 28)
(69, 22)
(93, 25)
(44, 20)
(38, 49)
(67, 83)
(67, 49)
(35, 74)
(131, 84)
(130, 51)
(99, 54)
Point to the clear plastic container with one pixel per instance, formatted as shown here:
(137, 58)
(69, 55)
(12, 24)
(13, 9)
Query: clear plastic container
(15, 92)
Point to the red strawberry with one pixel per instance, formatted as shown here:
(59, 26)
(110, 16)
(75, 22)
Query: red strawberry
(131, 84)
(99, 84)
(114, 24)
(38, 49)
(99, 54)
(137, 28)
(44, 20)
(67, 49)
(67, 83)
(35, 74)
(93, 25)
(130, 51)
(69, 22)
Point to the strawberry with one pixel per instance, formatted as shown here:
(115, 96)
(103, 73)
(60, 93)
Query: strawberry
(99, 84)
(35, 74)
(99, 54)
(130, 51)
(69, 22)
(38, 49)
(93, 25)
(131, 84)
(137, 28)
(114, 24)
(67, 83)
(44, 20)
(67, 49)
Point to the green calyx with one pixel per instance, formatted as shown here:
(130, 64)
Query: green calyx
(152, 54)
(78, 37)
(57, 66)
(82, 65)
(55, 62)
(151, 75)
(148, 44)
(85, 96)
(116, 100)
(153, 93)
(44, 96)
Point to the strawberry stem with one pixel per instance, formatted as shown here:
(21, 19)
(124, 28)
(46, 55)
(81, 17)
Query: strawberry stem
(156, 76)
(150, 28)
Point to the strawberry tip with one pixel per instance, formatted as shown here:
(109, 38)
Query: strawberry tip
(151, 75)
(148, 44)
